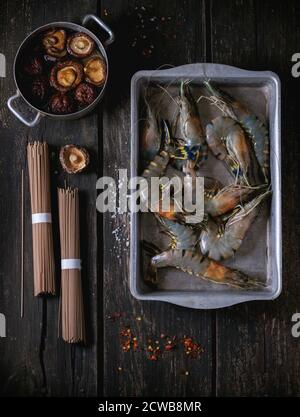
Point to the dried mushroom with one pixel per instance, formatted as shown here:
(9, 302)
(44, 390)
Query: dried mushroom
(80, 45)
(54, 42)
(85, 94)
(61, 71)
(66, 75)
(61, 104)
(95, 71)
(40, 88)
(34, 66)
(73, 158)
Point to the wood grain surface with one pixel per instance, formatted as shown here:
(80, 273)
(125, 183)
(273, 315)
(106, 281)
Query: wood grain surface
(248, 349)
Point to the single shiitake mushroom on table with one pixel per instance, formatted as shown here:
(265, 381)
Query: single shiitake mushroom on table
(66, 75)
(80, 45)
(95, 71)
(73, 158)
(54, 42)
(61, 104)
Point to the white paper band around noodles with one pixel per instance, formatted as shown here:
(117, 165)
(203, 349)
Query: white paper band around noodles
(41, 218)
(71, 264)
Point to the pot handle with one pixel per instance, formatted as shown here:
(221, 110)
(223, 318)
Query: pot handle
(29, 123)
(111, 36)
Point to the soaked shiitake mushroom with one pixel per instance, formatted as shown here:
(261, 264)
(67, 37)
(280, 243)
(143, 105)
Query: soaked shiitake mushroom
(34, 66)
(66, 75)
(73, 158)
(61, 104)
(62, 70)
(80, 45)
(95, 71)
(39, 88)
(85, 94)
(54, 42)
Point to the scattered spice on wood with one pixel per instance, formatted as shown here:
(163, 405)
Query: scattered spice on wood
(191, 348)
(126, 337)
(156, 348)
(170, 345)
(135, 344)
(147, 24)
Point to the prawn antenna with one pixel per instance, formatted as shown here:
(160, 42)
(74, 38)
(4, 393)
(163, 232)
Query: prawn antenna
(167, 92)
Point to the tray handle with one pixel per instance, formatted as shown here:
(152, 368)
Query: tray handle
(29, 123)
(107, 29)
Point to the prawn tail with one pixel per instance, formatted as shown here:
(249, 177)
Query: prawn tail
(221, 274)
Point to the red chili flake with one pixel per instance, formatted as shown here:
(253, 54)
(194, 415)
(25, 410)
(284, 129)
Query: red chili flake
(128, 340)
(171, 344)
(135, 344)
(169, 347)
(155, 353)
(191, 348)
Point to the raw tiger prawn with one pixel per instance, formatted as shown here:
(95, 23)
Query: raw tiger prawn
(185, 255)
(220, 239)
(192, 144)
(228, 142)
(254, 127)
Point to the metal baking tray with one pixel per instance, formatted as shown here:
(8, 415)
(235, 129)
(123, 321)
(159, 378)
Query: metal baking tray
(260, 253)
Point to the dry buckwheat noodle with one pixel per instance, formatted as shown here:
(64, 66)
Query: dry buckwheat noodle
(42, 237)
(72, 313)
(22, 244)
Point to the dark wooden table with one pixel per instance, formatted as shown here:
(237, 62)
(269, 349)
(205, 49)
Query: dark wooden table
(248, 349)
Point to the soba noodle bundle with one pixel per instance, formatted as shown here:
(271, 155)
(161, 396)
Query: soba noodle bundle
(72, 314)
(42, 238)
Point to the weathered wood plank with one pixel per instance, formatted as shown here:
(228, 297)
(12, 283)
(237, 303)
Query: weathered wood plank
(175, 35)
(257, 354)
(68, 371)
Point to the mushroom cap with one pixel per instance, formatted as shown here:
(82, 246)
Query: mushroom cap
(61, 104)
(73, 158)
(85, 94)
(54, 42)
(80, 45)
(66, 75)
(95, 71)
